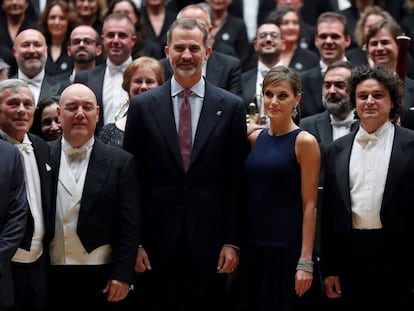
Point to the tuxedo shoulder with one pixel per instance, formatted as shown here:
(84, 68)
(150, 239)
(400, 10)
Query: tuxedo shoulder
(247, 74)
(114, 151)
(310, 72)
(6, 147)
(38, 140)
(89, 72)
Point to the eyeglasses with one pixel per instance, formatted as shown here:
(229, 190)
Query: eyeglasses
(86, 41)
(272, 34)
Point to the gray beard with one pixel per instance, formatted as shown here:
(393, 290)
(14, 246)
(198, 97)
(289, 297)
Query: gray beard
(336, 109)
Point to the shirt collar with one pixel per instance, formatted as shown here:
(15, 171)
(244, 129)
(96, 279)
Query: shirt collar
(114, 68)
(198, 88)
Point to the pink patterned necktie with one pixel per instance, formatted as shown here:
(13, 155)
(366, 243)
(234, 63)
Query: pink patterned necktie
(184, 129)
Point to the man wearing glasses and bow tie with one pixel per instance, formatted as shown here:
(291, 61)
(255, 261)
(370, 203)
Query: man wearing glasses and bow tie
(30, 51)
(29, 264)
(97, 211)
(367, 215)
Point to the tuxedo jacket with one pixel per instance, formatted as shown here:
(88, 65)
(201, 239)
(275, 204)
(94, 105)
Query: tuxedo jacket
(222, 70)
(13, 215)
(42, 153)
(206, 201)
(396, 213)
(109, 208)
(94, 79)
(311, 102)
(407, 114)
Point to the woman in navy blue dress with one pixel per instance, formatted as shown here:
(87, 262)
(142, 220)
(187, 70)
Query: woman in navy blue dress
(282, 172)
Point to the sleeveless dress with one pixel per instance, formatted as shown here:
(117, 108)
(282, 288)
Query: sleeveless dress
(274, 222)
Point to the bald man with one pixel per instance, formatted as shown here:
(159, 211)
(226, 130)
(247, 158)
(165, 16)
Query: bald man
(97, 214)
(30, 51)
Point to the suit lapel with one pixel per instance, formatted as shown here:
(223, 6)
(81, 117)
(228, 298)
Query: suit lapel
(162, 111)
(325, 128)
(398, 162)
(48, 88)
(96, 175)
(211, 113)
(249, 85)
(213, 70)
(342, 165)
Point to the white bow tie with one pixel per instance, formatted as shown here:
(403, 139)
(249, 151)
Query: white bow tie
(35, 81)
(26, 147)
(346, 123)
(76, 154)
(366, 139)
(114, 70)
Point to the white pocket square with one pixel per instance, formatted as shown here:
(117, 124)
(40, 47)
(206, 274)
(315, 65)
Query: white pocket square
(411, 108)
(48, 168)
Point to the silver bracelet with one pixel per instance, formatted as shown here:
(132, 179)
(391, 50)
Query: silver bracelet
(305, 265)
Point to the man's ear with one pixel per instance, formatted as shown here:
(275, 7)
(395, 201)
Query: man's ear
(98, 50)
(167, 51)
(208, 53)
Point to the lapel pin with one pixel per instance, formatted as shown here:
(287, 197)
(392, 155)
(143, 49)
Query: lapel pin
(219, 112)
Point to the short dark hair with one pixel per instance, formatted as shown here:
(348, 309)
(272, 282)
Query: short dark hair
(339, 64)
(189, 24)
(330, 17)
(382, 75)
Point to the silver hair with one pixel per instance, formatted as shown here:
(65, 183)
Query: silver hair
(12, 84)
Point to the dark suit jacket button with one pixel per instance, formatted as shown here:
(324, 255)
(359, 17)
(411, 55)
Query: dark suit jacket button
(180, 210)
(185, 188)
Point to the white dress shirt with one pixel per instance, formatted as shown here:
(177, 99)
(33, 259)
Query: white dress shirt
(368, 169)
(113, 94)
(35, 83)
(250, 12)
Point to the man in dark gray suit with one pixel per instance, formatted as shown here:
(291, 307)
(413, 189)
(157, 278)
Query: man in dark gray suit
(338, 119)
(220, 69)
(29, 263)
(13, 214)
(97, 212)
(190, 166)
